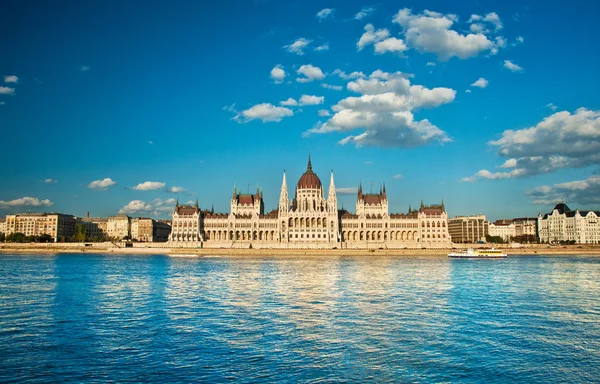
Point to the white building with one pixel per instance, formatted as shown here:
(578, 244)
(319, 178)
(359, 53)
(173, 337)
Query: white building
(563, 224)
(310, 220)
(2, 225)
(59, 226)
(502, 228)
(118, 227)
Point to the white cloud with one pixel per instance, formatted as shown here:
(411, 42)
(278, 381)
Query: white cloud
(297, 46)
(371, 36)
(50, 181)
(551, 106)
(480, 83)
(494, 19)
(176, 190)
(134, 207)
(468, 91)
(265, 112)
(384, 111)
(398, 176)
(149, 186)
(581, 191)
(324, 14)
(310, 73)
(353, 75)
(512, 66)
(364, 12)
(430, 64)
(431, 32)
(346, 191)
(311, 100)
(562, 140)
(324, 113)
(6, 90)
(26, 202)
(11, 79)
(84, 68)
(390, 44)
(289, 102)
(323, 47)
(101, 184)
(333, 87)
(278, 74)
(520, 39)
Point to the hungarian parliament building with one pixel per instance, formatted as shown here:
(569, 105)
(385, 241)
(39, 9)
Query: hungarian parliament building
(310, 221)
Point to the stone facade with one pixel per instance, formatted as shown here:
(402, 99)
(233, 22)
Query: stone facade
(563, 224)
(59, 226)
(2, 225)
(525, 226)
(310, 221)
(503, 228)
(95, 227)
(149, 230)
(468, 229)
(118, 227)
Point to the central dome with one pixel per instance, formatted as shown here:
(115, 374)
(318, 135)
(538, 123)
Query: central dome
(309, 179)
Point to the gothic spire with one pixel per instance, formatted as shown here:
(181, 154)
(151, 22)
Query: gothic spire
(196, 203)
(309, 166)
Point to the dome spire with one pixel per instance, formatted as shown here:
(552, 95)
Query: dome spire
(309, 166)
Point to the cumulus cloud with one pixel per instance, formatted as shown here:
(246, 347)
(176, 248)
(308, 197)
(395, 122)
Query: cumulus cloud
(265, 112)
(289, 102)
(430, 64)
(346, 191)
(322, 47)
(309, 73)
(50, 181)
(149, 186)
(390, 44)
(102, 184)
(561, 140)
(324, 113)
(297, 46)
(480, 83)
(278, 74)
(398, 176)
(7, 90)
(324, 14)
(135, 207)
(11, 79)
(333, 87)
(311, 100)
(551, 106)
(350, 76)
(176, 189)
(432, 32)
(364, 12)
(384, 110)
(586, 192)
(371, 36)
(26, 202)
(512, 66)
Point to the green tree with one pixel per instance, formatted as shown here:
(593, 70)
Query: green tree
(45, 238)
(15, 237)
(80, 234)
(2, 237)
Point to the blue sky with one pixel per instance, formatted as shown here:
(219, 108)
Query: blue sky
(489, 105)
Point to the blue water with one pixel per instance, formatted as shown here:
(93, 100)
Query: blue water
(83, 318)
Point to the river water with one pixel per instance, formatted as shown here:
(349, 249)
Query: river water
(90, 318)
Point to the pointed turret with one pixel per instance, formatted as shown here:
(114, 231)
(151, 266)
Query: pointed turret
(309, 166)
(234, 193)
(196, 203)
(177, 203)
(283, 196)
(360, 192)
(384, 192)
(443, 208)
(212, 209)
(331, 196)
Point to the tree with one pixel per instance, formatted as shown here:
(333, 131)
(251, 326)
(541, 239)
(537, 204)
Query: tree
(2, 237)
(80, 233)
(15, 237)
(45, 238)
(494, 239)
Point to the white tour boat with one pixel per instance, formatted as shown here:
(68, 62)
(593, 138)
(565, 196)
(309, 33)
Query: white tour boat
(478, 254)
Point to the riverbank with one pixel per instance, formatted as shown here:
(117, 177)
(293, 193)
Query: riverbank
(156, 249)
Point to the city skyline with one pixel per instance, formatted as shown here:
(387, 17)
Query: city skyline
(110, 108)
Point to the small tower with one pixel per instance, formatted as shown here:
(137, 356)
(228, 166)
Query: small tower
(331, 196)
(283, 196)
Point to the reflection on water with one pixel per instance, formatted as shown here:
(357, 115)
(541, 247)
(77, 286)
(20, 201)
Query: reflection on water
(298, 319)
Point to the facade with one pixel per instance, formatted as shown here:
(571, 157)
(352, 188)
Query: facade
(468, 229)
(502, 228)
(95, 227)
(525, 226)
(149, 230)
(310, 220)
(59, 226)
(118, 227)
(2, 225)
(564, 224)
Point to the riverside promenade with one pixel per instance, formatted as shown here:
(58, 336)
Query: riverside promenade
(161, 248)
